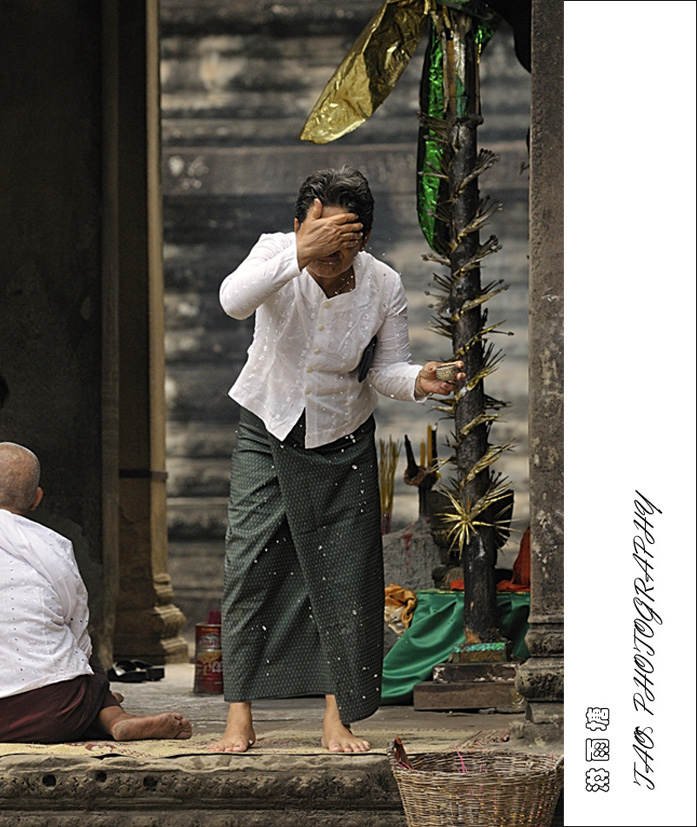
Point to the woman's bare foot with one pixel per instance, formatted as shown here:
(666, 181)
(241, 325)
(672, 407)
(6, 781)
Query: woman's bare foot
(336, 736)
(123, 726)
(239, 733)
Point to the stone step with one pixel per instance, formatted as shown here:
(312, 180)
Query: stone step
(259, 171)
(183, 125)
(194, 440)
(194, 269)
(196, 519)
(196, 396)
(186, 309)
(198, 477)
(453, 672)
(208, 17)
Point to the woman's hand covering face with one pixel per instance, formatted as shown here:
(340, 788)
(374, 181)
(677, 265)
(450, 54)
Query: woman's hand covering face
(328, 235)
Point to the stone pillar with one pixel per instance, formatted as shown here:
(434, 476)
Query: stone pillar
(147, 622)
(540, 679)
(58, 339)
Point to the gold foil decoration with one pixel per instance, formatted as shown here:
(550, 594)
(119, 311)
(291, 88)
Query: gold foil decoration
(369, 71)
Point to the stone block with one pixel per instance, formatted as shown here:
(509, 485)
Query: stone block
(410, 556)
(542, 679)
(461, 695)
(485, 672)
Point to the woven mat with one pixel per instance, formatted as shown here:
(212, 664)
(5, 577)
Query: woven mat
(282, 742)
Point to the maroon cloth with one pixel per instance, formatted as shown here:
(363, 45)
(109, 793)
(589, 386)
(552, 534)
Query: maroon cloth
(57, 713)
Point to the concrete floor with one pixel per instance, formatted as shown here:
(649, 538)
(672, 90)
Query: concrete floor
(301, 718)
(286, 780)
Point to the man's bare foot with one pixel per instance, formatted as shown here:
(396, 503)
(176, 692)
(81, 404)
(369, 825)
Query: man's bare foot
(239, 733)
(125, 727)
(336, 736)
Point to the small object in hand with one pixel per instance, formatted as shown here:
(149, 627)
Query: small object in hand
(448, 371)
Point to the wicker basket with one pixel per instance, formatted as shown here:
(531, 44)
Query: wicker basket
(478, 787)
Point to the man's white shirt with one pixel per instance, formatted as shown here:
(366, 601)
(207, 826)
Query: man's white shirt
(43, 608)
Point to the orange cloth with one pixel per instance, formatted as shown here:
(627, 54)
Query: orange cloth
(399, 607)
(520, 582)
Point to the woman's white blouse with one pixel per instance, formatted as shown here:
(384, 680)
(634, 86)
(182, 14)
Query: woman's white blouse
(307, 347)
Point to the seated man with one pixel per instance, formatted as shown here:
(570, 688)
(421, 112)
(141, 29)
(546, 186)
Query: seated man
(49, 692)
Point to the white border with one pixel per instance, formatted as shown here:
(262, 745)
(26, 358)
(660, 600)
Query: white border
(629, 393)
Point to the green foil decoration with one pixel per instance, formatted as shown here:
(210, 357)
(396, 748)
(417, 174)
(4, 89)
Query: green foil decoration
(432, 188)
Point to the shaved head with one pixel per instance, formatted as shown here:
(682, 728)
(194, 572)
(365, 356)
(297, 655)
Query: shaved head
(19, 477)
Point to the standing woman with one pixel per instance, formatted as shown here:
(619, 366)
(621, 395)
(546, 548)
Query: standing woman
(304, 595)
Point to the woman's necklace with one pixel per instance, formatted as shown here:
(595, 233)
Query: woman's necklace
(343, 282)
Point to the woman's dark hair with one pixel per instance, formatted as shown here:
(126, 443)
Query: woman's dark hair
(345, 187)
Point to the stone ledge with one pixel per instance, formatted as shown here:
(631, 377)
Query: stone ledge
(235, 172)
(210, 790)
(206, 818)
(268, 16)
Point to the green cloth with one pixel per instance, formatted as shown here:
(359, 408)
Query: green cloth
(303, 600)
(436, 629)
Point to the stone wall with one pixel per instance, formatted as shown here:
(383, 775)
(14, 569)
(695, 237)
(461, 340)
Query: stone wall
(238, 81)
